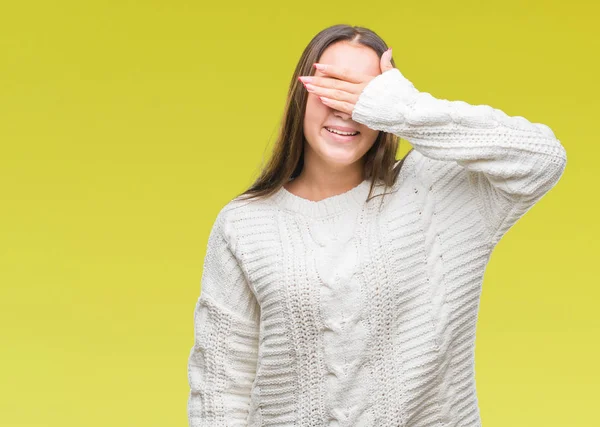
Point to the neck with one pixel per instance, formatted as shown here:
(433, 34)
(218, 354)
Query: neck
(320, 179)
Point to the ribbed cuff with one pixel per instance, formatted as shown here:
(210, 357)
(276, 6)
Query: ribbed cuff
(383, 101)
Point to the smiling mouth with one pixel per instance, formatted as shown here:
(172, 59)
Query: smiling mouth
(336, 132)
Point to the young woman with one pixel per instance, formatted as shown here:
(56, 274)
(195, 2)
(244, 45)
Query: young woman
(343, 287)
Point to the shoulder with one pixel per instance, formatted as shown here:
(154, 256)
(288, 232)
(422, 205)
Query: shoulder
(423, 181)
(428, 171)
(412, 166)
(239, 216)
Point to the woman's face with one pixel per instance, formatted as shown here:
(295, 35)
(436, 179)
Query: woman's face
(322, 146)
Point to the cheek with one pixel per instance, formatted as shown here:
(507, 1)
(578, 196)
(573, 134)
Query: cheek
(369, 134)
(315, 115)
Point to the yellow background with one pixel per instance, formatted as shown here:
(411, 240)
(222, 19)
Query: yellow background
(126, 125)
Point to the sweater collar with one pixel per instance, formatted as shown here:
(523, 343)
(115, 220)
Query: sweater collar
(330, 206)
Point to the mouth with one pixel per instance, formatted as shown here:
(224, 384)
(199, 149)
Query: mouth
(342, 136)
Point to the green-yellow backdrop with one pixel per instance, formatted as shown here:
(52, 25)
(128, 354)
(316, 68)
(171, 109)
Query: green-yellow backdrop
(126, 125)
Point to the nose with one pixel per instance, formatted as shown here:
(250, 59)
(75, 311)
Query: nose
(342, 115)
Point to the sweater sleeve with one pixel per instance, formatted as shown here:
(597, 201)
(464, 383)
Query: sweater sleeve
(510, 162)
(222, 362)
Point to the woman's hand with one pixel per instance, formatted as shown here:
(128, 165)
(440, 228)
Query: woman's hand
(342, 94)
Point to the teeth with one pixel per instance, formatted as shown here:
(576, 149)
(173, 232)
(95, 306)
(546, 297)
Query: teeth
(339, 132)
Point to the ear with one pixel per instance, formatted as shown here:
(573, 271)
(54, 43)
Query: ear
(385, 62)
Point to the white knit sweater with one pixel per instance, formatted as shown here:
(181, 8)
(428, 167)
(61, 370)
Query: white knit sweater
(346, 313)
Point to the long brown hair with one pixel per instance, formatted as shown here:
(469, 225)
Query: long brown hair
(287, 159)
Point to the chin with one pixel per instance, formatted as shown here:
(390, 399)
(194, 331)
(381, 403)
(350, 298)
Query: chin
(339, 158)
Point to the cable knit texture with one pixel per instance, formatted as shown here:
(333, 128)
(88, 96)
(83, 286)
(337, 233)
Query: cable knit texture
(350, 313)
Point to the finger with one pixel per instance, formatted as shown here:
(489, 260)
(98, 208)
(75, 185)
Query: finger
(340, 73)
(342, 106)
(385, 62)
(330, 83)
(335, 94)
